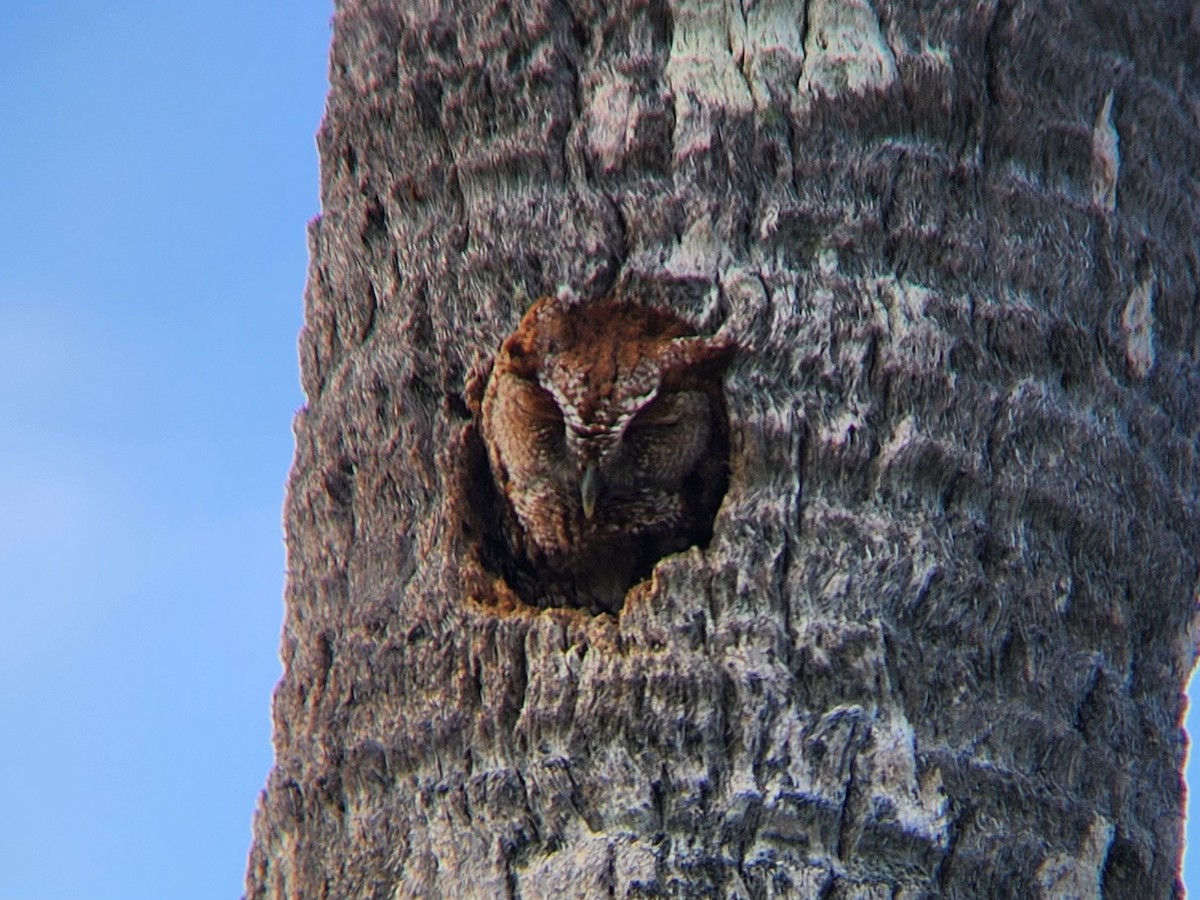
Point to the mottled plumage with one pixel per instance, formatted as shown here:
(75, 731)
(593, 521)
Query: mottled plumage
(607, 438)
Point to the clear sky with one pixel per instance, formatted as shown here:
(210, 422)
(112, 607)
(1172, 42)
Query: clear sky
(157, 169)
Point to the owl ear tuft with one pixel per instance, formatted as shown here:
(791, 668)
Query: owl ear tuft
(521, 347)
(699, 356)
(516, 346)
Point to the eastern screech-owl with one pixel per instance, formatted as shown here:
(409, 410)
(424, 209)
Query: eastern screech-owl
(607, 439)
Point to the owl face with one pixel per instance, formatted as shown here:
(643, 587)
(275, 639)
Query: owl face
(605, 431)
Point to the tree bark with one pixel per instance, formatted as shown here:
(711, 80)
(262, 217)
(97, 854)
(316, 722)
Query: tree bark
(938, 643)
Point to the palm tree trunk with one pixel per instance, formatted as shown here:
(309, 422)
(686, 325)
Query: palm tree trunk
(938, 643)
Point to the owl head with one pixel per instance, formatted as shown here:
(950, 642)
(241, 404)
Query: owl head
(607, 438)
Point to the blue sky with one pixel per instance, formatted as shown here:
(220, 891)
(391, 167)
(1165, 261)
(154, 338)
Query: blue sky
(157, 168)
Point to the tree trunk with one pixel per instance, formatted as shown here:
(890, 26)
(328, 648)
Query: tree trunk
(938, 641)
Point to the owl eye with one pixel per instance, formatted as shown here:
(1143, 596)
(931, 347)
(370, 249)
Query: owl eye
(538, 404)
(660, 414)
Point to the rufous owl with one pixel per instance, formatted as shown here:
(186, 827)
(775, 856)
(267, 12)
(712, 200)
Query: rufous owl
(607, 438)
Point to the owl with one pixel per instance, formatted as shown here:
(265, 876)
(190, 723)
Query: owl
(607, 440)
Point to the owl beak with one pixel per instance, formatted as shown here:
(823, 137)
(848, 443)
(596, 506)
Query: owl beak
(589, 486)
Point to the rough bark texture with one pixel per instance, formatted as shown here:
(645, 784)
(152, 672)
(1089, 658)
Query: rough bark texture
(938, 643)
